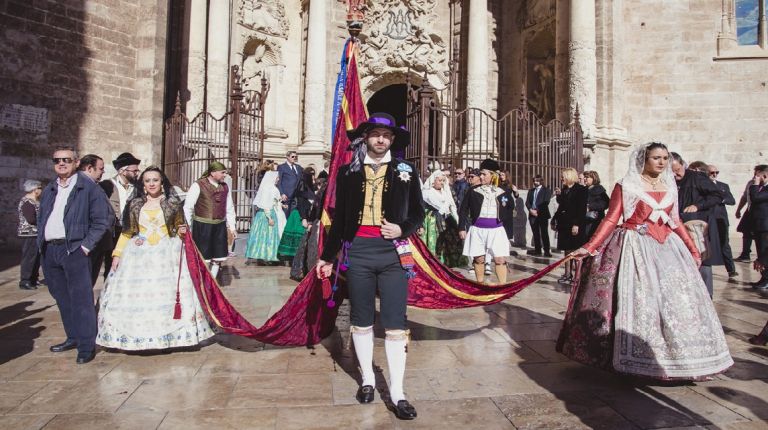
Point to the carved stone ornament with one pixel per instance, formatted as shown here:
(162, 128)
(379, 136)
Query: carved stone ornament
(264, 29)
(264, 16)
(535, 12)
(258, 54)
(399, 35)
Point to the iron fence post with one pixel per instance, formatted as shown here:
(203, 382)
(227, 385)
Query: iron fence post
(235, 101)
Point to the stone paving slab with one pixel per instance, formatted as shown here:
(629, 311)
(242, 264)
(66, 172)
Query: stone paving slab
(479, 368)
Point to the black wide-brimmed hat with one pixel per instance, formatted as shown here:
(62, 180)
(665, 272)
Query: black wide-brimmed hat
(382, 120)
(489, 164)
(125, 159)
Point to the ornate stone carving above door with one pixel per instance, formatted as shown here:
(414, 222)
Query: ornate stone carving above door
(536, 12)
(400, 35)
(263, 16)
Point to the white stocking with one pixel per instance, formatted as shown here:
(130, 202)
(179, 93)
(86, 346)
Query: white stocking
(395, 344)
(215, 269)
(362, 337)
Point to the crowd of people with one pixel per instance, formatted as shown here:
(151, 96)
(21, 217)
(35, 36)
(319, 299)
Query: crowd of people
(131, 228)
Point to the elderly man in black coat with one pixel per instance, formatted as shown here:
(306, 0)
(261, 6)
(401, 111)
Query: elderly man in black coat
(697, 198)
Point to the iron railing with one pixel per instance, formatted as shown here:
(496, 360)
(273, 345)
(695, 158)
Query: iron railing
(444, 137)
(236, 139)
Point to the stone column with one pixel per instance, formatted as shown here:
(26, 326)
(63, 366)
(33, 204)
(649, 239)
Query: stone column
(195, 78)
(562, 36)
(218, 59)
(610, 137)
(762, 26)
(477, 72)
(150, 40)
(477, 55)
(315, 79)
(582, 77)
(610, 67)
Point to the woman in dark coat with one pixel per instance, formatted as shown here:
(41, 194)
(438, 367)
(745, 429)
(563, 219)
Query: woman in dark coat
(569, 220)
(597, 203)
(310, 206)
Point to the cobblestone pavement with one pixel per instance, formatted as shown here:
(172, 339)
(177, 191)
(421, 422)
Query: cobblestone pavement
(481, 368)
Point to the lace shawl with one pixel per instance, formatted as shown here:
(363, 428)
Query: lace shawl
(633, 190)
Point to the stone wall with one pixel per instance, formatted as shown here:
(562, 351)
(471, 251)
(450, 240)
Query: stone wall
(675, 92)
(87, 73)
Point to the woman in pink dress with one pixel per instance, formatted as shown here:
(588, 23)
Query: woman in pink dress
(640, 306)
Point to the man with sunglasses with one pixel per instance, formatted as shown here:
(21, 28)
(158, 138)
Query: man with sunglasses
(74, 215)
(721, 215)
(460, 185)
(537, 202)
(290, 174)
(119, 189)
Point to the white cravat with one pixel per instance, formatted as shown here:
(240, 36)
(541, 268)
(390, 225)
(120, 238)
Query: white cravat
(385, 159)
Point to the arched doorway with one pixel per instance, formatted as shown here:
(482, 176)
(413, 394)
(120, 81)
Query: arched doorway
(390, 99)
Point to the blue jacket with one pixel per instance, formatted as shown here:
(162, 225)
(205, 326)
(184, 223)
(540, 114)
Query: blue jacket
(86, 215)
(289, 181)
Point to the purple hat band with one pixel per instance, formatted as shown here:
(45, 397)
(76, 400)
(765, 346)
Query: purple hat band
(382, 121)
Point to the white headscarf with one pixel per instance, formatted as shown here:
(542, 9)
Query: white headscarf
(442, 200)
(268, 197)
(633, 190)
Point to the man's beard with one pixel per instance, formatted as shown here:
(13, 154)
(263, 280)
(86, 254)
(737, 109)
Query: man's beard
(372, 149)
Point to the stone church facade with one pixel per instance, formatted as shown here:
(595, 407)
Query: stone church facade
(103, 75)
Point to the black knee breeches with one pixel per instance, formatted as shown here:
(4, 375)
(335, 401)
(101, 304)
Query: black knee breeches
(374, 264)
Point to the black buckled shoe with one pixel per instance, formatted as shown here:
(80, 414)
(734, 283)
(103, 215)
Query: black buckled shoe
(403, 410)
(64, 346)
(365, 394)
(85, 356)
(27, 285)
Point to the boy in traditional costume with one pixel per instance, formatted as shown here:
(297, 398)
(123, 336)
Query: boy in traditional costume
(482, 210)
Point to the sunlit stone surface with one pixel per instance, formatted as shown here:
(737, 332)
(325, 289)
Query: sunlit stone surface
(481, 368)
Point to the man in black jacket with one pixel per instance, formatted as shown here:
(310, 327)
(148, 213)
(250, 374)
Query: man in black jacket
(721, 215)
(697, 197)
(537, 202)
(758, 195)
(378, 206)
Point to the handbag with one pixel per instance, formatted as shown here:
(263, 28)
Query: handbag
(699, 232)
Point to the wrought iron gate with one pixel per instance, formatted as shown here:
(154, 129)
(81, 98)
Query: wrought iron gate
(236, 139)
(524, 146)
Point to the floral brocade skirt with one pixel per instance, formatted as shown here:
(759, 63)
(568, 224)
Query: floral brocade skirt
(137, 304)
(640, 307)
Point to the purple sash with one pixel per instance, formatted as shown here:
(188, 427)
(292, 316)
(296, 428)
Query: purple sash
(487, 223)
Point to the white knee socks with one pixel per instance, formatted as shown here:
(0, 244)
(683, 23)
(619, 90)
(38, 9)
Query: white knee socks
(362, 337)
(215, 269)
(394, 344)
